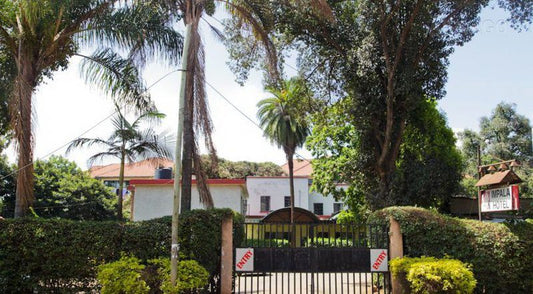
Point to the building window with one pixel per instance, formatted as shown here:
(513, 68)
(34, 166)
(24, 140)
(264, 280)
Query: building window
(287, 201)
(318, 208)
(244, 208)
(337, 207)
(265, 203)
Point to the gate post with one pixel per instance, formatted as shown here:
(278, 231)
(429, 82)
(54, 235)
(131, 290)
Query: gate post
(226, 255)
(396, 250)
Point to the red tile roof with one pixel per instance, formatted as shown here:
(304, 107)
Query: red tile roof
(171, 182)
(302, 167)
(142, 169)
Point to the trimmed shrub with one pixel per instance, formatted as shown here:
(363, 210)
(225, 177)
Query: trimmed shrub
(426, 275)
(122, 277)
(129, 276)
(191, 276)
(51, 255)
(499, 258)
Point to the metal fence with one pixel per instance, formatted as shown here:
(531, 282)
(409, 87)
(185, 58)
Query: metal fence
(310, 258)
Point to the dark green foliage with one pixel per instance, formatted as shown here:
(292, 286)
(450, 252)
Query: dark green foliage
(426, 275)
(7, 186)
(63, 190)
(500, 259)
(226, 169)
(7, 75)
(199, 237)
(56, 255)
(429, 164)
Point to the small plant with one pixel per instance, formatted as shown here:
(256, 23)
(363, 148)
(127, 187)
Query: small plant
(426, 275)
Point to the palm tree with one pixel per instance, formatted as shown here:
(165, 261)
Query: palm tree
(196, 119)
(283, 123)
(128, 143)
(41, 36)
(194, 114)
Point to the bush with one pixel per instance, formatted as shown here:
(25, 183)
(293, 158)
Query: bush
(428, 275)
(128, 275)
(51, 255)
(500, 259)
(191, 276)
(122, 277)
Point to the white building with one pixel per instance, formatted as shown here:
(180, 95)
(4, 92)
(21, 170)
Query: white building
(153, 198)
(254, 197)
(266, 194)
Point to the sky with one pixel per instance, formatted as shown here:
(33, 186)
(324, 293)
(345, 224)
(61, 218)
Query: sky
(495, 66)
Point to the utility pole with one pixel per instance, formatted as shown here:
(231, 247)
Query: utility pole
(177, 174)
(478, 178)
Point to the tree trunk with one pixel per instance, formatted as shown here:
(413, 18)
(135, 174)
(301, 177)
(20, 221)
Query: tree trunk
(121, 184)
(188, 124)
(291, 189)
(188, 145)
(21, 115)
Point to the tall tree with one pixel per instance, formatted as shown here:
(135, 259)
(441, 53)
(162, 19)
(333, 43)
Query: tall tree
(382, 58)
(283, 124)
(41, 37)
(428, 168)
(504, 135)
(507, 134)
(130, 143)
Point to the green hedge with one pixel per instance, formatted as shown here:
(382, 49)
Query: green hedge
(427, 275)
(501, 259)
(47, 255)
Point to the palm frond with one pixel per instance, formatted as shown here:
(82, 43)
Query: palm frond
(201, 180)
(87, 142)
(143, 28)
(98, 157)
(279, 119)
(117, 77)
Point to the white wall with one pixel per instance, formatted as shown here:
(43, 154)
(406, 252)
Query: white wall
(277, 188)
(153, 201)
(327, 202)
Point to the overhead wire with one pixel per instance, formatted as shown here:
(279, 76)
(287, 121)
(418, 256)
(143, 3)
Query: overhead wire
(88, 130)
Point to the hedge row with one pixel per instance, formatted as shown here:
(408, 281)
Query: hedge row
(47, 255)
(501, 255)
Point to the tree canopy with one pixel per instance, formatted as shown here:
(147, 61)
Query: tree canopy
(226, 169)
(63, 190)
(428, 168)
(504, 135)
(380, 59)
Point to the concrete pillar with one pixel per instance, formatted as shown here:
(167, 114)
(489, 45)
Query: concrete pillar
(226, 256)
(396, 250)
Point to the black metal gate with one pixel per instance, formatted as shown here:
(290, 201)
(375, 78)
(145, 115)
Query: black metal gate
(312, 258)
